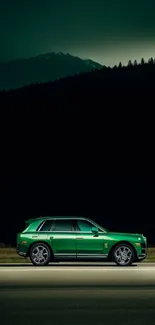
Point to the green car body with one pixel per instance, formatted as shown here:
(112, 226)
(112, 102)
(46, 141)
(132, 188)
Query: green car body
(48, 239)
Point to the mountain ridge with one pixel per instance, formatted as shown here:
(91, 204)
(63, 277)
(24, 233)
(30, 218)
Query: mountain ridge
(42, 68)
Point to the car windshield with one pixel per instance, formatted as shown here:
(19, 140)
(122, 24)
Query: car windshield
(100, 227)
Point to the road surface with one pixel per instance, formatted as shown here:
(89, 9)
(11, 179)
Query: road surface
(77, 294)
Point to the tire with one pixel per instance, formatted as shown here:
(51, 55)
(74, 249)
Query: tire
(123, 255)
(40, 254)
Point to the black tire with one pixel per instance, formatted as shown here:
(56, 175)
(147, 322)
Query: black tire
(123, 254)
(40, 254)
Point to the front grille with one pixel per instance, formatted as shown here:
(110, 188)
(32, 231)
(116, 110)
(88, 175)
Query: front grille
(143, 245)
(144, 248)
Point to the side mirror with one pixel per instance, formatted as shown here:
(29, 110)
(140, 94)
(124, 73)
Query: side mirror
(94, 230)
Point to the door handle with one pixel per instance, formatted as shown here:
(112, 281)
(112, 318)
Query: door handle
(79, 238)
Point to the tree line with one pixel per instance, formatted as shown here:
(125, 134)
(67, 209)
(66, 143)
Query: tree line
(135, 63)
(136, 76)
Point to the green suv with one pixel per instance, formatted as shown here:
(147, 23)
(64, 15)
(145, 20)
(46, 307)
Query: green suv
(48, 239)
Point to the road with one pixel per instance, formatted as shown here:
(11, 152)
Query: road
(77, 294)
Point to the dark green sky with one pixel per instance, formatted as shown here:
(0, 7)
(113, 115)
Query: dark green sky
(107, 31)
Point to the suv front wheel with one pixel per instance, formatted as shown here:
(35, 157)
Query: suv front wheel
(40, 254)
(123, 255)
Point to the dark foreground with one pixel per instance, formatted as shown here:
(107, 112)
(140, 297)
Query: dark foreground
(68, 295)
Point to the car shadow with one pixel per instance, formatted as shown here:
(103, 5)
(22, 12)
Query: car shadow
(62, 265)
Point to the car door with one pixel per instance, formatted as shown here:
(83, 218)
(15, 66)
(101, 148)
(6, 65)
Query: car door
(63, 239)
(89, 245)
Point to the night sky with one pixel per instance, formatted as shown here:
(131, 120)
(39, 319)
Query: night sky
(107, 31)
(117, 203)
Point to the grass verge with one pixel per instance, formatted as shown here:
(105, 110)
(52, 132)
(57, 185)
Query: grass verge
(9, 255)
(150, 256)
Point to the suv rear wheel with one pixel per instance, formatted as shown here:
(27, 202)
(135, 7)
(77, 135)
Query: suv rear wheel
(40, 254)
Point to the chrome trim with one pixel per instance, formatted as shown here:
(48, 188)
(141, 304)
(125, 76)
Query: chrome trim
(80, 255)
(97, 255)
(21, 253)
(65, 254)
(141, 256)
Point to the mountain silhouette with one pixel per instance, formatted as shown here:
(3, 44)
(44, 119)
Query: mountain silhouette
(42, 68)
(92, 84)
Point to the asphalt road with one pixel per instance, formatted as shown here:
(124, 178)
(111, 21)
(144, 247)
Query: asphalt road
(72, 294)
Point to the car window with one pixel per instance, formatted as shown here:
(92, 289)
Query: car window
(63, 225)
(46, 225)
(84, 225)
